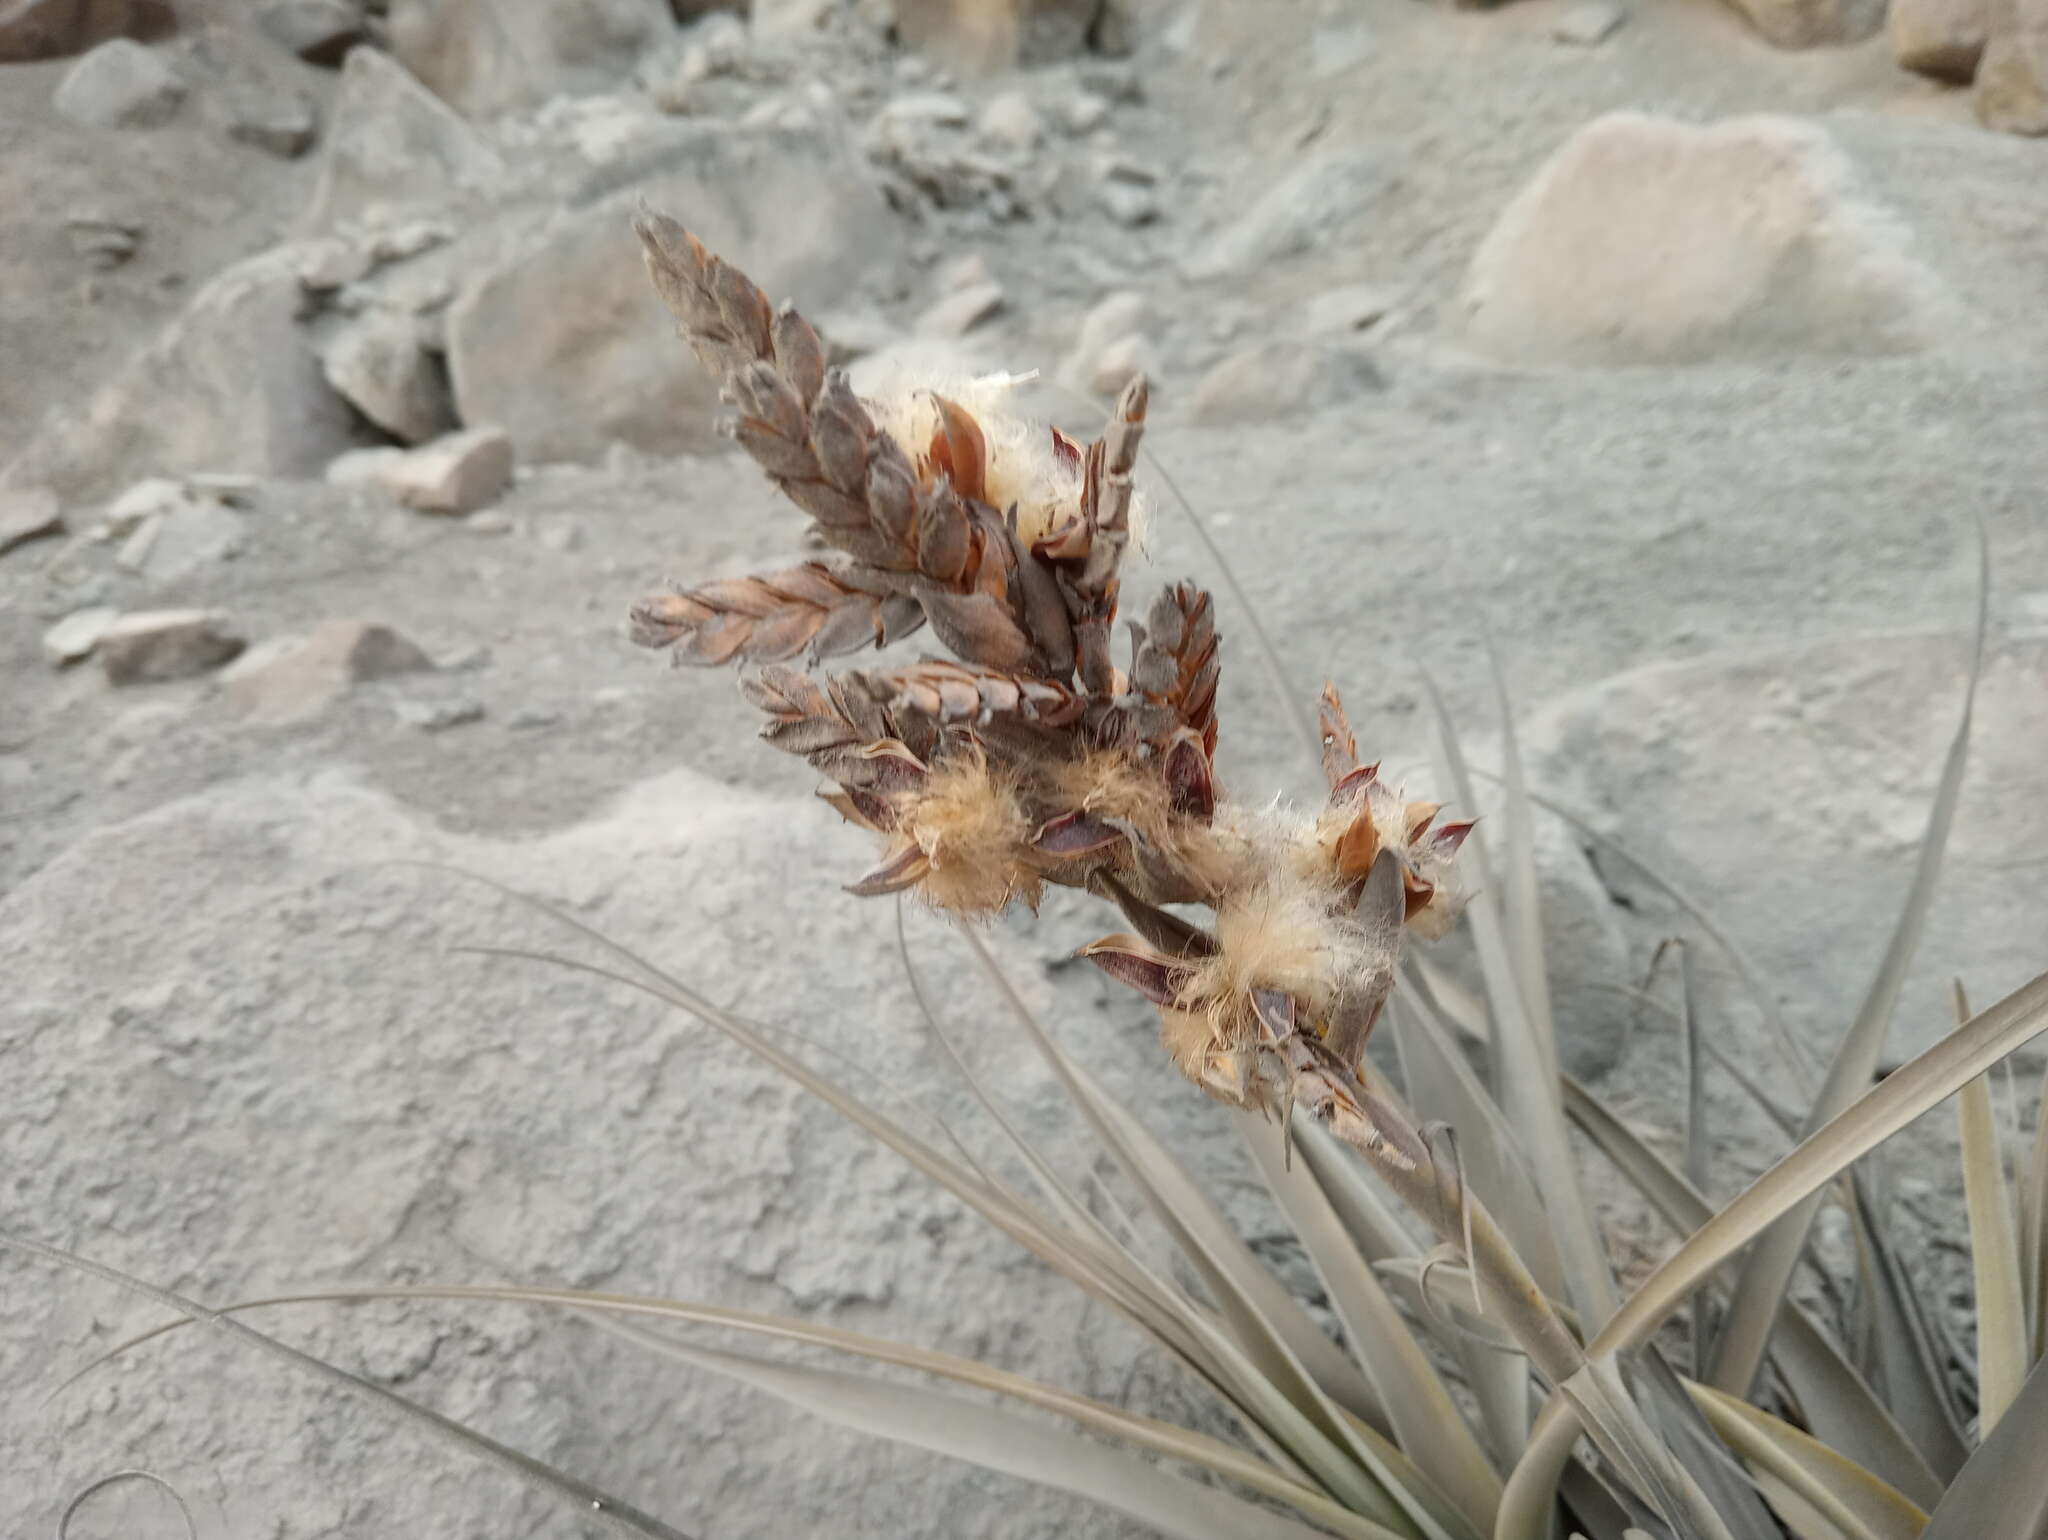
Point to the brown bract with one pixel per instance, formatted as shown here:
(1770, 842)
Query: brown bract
(1029, 757)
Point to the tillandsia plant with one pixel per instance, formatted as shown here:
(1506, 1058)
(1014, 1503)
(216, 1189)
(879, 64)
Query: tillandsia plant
(1032, 757)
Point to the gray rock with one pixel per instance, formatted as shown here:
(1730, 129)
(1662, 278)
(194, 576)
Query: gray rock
(104, 240)
(157, 645)
(484, 57)
(1588, 23)
(229, 385)
(292, 679)
(1813, 23)
(565, 344)
(362, 468)
(53, 29)
(72, 639)
(1010, 120)
(333, 262)
(183, 540)
(318, 31)
(1343, 311)
(962, 310)
(2012, 78)
(456, 474)
(1940, 38)
(1085, 112)
(1646, 240)
(120, 84)
(279, 119)
(1129, 203)
(149, 498)
(437, 716)
(851, 334)
(382, 366)
(1305, 208)
(1272, 380)
(28, 513)
(394, 150)
(928, 109)
(1110, 345)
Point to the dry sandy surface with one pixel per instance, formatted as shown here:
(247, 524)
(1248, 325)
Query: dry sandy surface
(1696, 414)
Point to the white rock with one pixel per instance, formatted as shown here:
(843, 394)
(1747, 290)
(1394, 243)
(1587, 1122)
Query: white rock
(28, 513)
(936, 109)
(437, 716)
(290, 679)
(362, 468)
(74, 637)
(1129, 203)
(1121, 361)
(380, 363)
(146, 499)
(1645, 240)
(456, 474)
(1085, 112)
(394, 150)
(1588, 23)
(962, 310)
(2012, 77)
(1010, 120)
(1353, 307)
(332, 262)
(156, 645)
(1116, 322)
(120, 84)
(318, 31)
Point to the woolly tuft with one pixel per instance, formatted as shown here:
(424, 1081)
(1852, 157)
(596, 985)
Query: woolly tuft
(972, 827)
(1024, 470)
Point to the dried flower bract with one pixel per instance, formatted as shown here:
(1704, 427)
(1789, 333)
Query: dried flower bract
(1033, 756)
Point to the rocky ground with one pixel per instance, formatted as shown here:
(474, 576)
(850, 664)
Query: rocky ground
(340, 427)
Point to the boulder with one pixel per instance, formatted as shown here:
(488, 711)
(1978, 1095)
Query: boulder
(394, 150)
(2012, 79)
(382, 366)
(1941, 38)
(53, 29)
(229, 385)
(120, 84)
(484, 57)
(1645, 240)
(157, 645)
(565, 345)
(1813, 23)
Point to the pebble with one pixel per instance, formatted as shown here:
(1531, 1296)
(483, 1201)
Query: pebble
(155, 645)
(939, 109)
(458, 473)
(28, 513)
(1085, 113)
(439, 715)
(332, 263)
(1012, 121)
(103, 240)
(74, 637)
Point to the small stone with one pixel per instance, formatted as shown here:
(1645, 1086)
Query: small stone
(1116, 320)
(1129, 203)
(74, 637)
(331, 263)
(120, 84)
(172, 545)
(1122, 361)
(938, 109)
(489, 522)
(157, 645)
(968, 272)
(146, 499)
(1587, 24)
(278, 119)
(440, 715)
(381, 365)
(318, 31)
(103, 240)
(1085, 113)
(28, 513)
(961, 311)
(456, 474)
(292, 678)
(1010, 120)
(1939, 38)
(401, 243)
